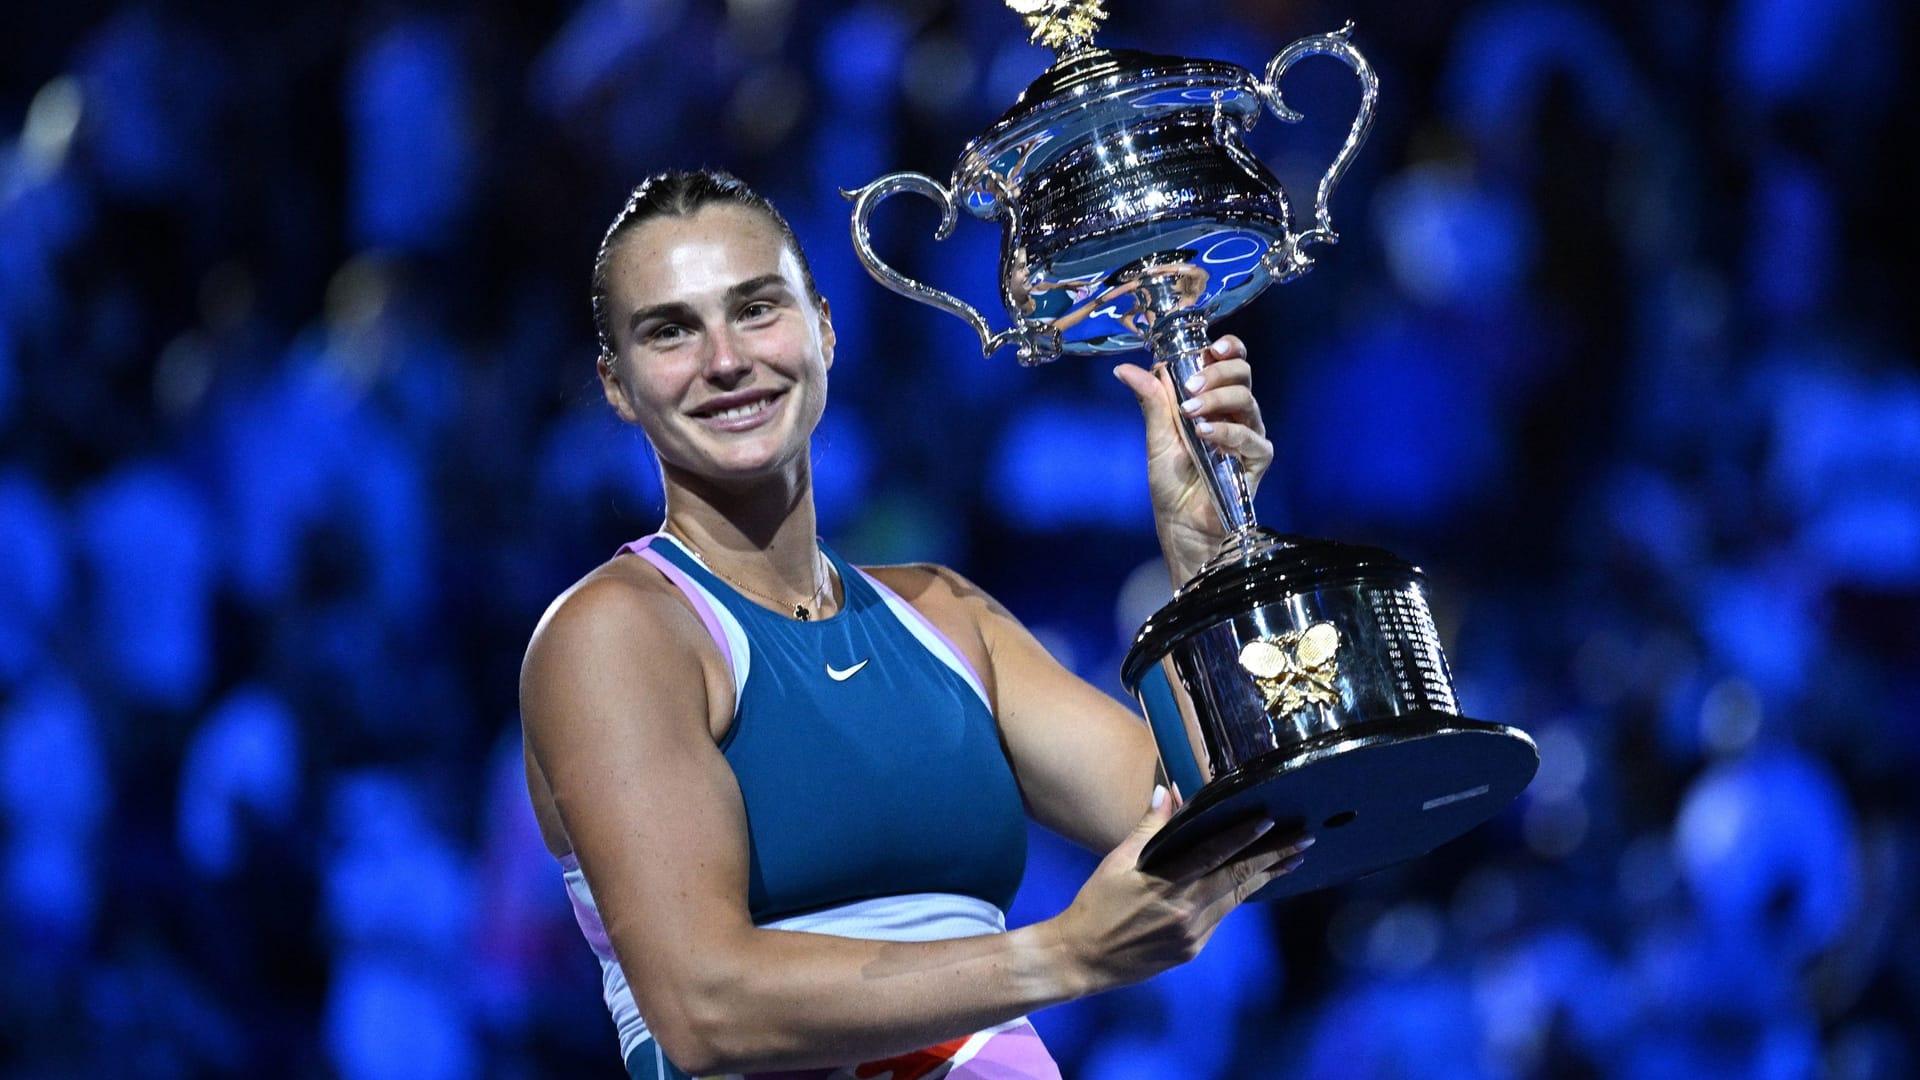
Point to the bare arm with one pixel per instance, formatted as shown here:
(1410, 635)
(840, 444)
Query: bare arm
(1085, 763)
(618, 700)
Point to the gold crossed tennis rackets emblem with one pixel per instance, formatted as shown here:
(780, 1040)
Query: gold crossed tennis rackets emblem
(1294, 669)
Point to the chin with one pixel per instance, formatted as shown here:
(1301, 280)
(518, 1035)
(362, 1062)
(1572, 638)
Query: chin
(743, 466)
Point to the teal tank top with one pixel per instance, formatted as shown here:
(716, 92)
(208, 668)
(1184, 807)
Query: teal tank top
(866, 752)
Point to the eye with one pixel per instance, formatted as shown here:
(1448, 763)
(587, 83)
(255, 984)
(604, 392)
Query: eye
(666, 334)
(757, 309)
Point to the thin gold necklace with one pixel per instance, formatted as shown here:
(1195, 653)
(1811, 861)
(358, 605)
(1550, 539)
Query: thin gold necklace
(801, 611)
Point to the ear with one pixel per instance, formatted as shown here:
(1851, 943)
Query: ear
(615, 394)
(827, 338)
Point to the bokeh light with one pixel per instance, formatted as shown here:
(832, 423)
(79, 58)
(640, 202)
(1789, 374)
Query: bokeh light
(300, 433)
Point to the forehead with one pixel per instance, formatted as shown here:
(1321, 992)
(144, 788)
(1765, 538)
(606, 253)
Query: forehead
(700, 255)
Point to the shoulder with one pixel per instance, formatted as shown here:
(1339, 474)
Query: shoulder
(621, 595)
(930, 583)
(959, 608)
(954, 606)
(623, 609)
(936, 589)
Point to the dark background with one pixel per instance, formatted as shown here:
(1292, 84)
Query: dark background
(299, 434)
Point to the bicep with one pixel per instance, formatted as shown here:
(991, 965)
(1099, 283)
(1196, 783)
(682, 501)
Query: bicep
(1086, 763)
(616, 718)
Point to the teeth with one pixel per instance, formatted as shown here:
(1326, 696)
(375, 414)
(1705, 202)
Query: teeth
(739, 411)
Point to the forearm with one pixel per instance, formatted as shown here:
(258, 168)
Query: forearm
(788, 1000)
(757, 1000)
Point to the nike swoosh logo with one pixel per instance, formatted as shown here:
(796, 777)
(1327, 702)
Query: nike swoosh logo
(839, 675)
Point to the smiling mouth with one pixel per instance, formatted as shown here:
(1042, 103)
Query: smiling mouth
(743, 414)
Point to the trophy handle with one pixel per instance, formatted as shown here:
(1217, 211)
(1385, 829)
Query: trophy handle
(1032, 349)
(1295, 261)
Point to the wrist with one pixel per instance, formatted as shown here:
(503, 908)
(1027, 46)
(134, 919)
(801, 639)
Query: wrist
(1061, 969)
(1186, 551)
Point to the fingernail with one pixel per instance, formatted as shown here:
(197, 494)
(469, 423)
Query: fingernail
(1191, 405)
(1262, 829)
(1202, 426)
(1194, 382)
(1292, 864)
(1304, 844)
(1159, 796)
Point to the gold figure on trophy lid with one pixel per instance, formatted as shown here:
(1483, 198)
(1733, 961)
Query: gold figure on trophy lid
(1294, 669)
(1065, 26)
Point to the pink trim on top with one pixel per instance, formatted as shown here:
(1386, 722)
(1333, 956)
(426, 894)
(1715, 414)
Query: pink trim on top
(972, 675)
(688, 587)
(591, 927)
(1011, 1051)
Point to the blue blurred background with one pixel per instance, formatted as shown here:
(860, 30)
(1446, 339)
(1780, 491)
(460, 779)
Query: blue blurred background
(299, 433)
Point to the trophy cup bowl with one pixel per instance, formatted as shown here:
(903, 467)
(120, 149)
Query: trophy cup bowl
(1295, 679)
(1111, 162)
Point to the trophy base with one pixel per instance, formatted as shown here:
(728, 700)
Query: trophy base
(1371, 794)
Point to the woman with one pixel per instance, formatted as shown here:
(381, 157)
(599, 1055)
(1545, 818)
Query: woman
(798, 788)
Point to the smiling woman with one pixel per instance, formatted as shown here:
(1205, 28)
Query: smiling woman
(732, 734)
(722, 343)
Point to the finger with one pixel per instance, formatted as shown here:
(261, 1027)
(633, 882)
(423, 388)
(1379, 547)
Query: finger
(1221, 373)
(1208, 855)
(1224, 403)
(1269, 853)
(1274, 855)
(1279, 844)
(1164, 376)
(1239, 881)
(1228, 347)
(1154, 392)
(1147, 389)
(1159, 809)
(1237, 439)
(1254, 450)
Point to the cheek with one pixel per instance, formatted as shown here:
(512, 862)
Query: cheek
(659, 377)
(648, 398)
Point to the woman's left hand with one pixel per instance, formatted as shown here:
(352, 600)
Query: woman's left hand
(1226, 415)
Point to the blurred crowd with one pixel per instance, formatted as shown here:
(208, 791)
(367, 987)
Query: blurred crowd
(299, 434)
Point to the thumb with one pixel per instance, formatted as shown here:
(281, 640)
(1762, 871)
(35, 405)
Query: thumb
(1154, 391)
(1159, 810)
(1146, 387)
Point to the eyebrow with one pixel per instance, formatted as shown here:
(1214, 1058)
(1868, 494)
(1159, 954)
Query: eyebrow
(678, 309)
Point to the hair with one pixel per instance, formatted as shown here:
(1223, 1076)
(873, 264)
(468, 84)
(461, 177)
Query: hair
(680, 194)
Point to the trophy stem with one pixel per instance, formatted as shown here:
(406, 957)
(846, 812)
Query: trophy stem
(1178, 340)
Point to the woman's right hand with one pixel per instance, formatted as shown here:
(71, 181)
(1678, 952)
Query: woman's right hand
(1128, 924)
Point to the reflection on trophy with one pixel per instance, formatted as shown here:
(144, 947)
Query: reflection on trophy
(1295, 678)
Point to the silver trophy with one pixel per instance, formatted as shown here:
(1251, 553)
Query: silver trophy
(1294, 678)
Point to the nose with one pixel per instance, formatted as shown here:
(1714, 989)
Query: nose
(727, 364)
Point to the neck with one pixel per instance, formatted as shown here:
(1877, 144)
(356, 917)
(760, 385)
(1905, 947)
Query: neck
(761, 534)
